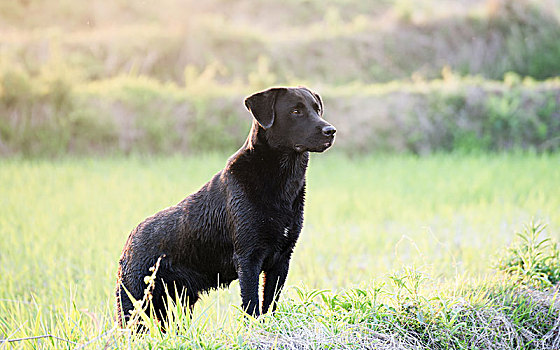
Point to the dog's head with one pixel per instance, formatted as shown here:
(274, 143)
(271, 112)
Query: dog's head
(292, 119)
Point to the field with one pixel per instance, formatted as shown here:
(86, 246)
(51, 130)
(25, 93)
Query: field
(433, 222)
(368, 219)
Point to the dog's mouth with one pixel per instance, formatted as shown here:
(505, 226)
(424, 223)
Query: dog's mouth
(326, 145)
(318, 148)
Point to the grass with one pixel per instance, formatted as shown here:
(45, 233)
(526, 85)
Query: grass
(534, 259)
(416, 235)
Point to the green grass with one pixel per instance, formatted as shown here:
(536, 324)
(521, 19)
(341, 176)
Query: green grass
(63, 223)
(533, 259)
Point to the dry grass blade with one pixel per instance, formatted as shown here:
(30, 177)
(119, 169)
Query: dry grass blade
(141, 306)
(316, 336)
(7, 341)
(96, 338)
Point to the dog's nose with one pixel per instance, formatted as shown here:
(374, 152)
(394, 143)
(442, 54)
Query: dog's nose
(328, 130)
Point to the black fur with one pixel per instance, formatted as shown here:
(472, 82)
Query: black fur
(244, 221)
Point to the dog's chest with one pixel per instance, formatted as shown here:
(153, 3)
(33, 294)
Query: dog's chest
(285, 193)
(288, 183)
(276, 191)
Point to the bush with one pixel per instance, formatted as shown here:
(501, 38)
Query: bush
(62, 114)
(477, 117)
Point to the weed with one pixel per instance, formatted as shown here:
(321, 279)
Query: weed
(532, 260)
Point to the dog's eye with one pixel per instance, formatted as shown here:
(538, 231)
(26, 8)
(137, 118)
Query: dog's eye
(296, 111)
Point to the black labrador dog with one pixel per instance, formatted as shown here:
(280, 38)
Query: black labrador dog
(244, 221)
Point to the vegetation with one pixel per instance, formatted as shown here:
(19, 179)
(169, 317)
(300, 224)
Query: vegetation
(448, 118)
(420, 237)
(265, 42)
(141, 115)
(533, 260)
(418, 77)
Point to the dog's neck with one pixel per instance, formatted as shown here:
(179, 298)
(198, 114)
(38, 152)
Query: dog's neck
(257, 142)
(288, 162)
(266, 170)
(257, 136)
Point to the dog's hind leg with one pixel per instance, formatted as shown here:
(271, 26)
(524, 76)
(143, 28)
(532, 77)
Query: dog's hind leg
(124, 303)
(183, 286)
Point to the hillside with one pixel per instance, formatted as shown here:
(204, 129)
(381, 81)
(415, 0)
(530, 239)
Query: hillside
(113, 77)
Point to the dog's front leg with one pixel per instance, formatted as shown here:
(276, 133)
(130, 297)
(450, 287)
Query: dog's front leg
(248, 270)
(274, 280)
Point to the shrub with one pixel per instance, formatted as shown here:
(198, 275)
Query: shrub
(62, 114)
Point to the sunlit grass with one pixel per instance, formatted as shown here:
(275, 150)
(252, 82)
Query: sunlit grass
(63, 223)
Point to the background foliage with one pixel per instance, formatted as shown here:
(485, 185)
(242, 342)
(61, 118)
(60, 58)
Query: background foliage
(120, 77)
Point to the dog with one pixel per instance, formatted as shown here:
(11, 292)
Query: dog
(244, 221)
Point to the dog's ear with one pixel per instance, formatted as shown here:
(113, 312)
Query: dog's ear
(261, 105)
(317, 97)
(319, 100)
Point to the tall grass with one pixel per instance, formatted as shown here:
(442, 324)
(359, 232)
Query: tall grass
(63, 223)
